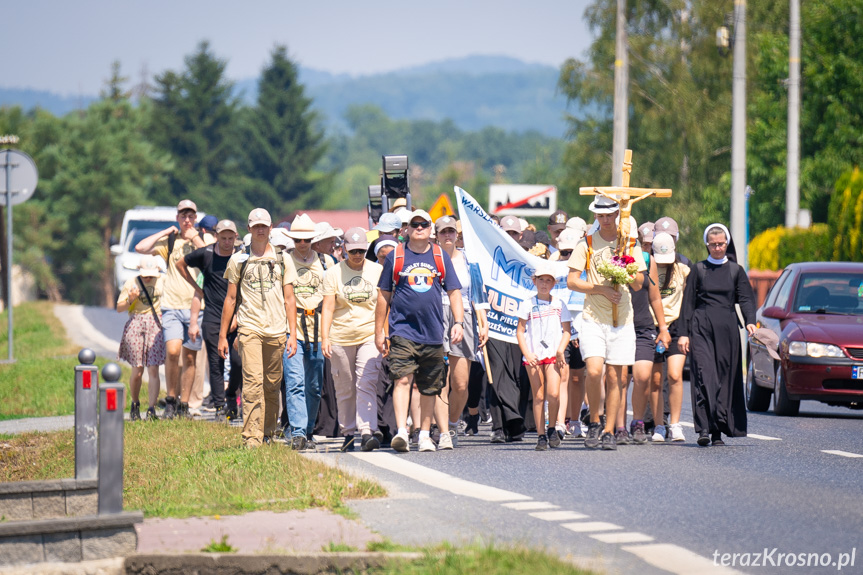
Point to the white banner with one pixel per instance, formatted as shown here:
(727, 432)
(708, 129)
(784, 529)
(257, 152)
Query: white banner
(503, 268)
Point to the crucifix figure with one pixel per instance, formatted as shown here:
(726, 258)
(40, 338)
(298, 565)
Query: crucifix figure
(625, 197)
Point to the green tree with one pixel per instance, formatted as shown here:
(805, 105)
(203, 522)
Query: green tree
(192, 119)
(281, 142)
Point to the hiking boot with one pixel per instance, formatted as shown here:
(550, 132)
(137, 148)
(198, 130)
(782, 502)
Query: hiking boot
(401, 442)
(151, 414)
(311, 445)
(592, 439)
(415, 437)
(716, 439)
(561, 431)
(639, 436)
(553, 437)
(447, 440)
(602, 420)
(703, 439)
(426, 444)
(135, 411)
(348, 444)
(231, 414)
(497, 436)
(621, 437)
(472, 424)
(183, 410)
(369, 442)
(658, 434)
(608, 442)
(676, 432)
(170, 408)
(542, 443)
(298, 443)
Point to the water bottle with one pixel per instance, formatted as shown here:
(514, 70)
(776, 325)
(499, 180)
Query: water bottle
(660, 347)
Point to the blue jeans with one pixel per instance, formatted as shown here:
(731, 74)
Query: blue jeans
(304, 374)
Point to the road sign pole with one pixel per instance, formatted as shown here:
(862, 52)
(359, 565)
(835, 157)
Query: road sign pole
(9, 250)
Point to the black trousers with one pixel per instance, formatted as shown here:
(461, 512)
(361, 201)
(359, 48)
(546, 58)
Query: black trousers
(210, 334)
(477, 386)
(506, 401)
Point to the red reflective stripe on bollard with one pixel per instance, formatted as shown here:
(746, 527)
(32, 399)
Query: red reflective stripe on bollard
(111, 399)
(85, 379)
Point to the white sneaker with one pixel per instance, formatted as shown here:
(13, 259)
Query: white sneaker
(447, 440)
(658, 434)
(426, 444)
(401, 442)
(676, 432)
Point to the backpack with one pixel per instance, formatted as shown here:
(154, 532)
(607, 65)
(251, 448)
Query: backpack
(399, 263)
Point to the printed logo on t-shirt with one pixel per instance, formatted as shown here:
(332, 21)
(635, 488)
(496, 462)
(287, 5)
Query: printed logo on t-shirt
(142, 298)
(307, 283)
(188, 248)
(420, 276)
(262, 276)
(358, 290)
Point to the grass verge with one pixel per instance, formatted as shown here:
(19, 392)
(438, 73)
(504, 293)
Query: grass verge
(41, 381)
(193, 468)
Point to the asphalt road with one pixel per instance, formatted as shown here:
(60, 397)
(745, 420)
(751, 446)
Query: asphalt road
(777, 489)
(794, 486)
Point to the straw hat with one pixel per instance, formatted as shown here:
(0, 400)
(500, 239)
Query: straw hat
(302, 228)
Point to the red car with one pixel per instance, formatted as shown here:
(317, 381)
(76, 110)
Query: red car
(816, 311)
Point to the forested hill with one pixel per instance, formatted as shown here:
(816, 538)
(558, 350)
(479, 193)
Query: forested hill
(474, 92)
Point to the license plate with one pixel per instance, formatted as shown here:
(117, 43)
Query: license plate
(857, 372)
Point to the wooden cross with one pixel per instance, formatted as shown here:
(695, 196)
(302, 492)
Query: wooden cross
(625, 197)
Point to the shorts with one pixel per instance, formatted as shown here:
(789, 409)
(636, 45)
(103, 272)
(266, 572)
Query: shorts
(423, 361)
(645, 343)
(467, 346)
(175, 325)
(673, 349)
(573, 356)
(615, 344)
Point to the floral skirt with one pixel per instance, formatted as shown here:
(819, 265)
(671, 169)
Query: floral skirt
(142, 344)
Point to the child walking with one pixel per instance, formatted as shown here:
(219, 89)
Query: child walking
(142, 344)
(543, 335)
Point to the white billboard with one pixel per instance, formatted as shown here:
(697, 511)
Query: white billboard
(522, 200)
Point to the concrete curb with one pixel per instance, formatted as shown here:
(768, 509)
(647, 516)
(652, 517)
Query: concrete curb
(244, 564)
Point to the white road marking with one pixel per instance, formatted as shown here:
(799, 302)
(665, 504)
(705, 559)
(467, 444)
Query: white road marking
(528, 505)
(558, 515)
(622, 537)
(677, 560)
(438, 479)
(763, 437)
(588, 526)
(841, 453)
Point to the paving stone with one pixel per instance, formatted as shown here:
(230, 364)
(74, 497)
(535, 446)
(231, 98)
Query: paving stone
(49, 505)
(101, 543)
(62, 546)
(16, 506)
(21, 550)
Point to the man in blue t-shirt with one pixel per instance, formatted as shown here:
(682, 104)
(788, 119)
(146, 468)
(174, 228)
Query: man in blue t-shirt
(414, 346)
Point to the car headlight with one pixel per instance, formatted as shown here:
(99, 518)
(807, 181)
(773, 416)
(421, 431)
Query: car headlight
(809, 349)
(131, 266)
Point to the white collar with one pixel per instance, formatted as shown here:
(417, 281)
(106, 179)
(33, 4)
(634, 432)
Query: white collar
(717, 262)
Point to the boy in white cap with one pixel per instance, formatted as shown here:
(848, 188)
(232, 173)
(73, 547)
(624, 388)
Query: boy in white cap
(173, 244)
(260, 291)
(603, 345)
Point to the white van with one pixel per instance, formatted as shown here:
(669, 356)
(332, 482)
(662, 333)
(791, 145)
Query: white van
(139, 223)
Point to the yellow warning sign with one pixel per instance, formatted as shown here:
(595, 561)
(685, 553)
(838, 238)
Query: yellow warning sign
(441, 207)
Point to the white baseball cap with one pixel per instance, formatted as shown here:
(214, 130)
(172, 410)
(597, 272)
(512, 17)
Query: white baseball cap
(663, 248)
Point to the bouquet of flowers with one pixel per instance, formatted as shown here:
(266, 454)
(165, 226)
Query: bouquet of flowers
(620, 270)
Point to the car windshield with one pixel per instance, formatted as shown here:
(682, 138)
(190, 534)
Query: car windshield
(830, 292)
(140, 229)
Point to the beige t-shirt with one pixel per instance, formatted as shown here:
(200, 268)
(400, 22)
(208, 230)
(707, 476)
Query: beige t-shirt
(597, 307)
(672, 296)
(140, 304)
(178, 293)
(356, 297)
(262, 307)
(307, 289)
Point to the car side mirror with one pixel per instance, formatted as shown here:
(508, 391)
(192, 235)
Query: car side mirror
(774, 312)
(116, 249)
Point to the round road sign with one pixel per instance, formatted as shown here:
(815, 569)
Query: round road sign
(22, 176)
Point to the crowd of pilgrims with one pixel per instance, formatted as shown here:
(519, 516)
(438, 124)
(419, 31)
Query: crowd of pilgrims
(552, 382)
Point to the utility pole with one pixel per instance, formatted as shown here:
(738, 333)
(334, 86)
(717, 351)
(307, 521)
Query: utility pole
(792, 184)
(621, 96)
(738, 137)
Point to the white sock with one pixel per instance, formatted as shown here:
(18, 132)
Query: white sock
(424, 434)
(402, 430)
(453, 424)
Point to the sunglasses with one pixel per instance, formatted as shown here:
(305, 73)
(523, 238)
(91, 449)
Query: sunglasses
(565, 253)
(420, 225)
(302, 240)
(357, 252)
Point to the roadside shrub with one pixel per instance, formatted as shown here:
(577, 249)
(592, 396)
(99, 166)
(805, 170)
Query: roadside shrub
(775, 248)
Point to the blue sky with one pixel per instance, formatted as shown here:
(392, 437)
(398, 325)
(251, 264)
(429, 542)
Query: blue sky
(67, 47)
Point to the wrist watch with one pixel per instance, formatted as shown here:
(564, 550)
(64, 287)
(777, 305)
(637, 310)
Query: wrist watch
(461, 323)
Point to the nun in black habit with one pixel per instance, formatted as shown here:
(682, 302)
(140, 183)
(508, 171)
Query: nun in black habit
(710, 320)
